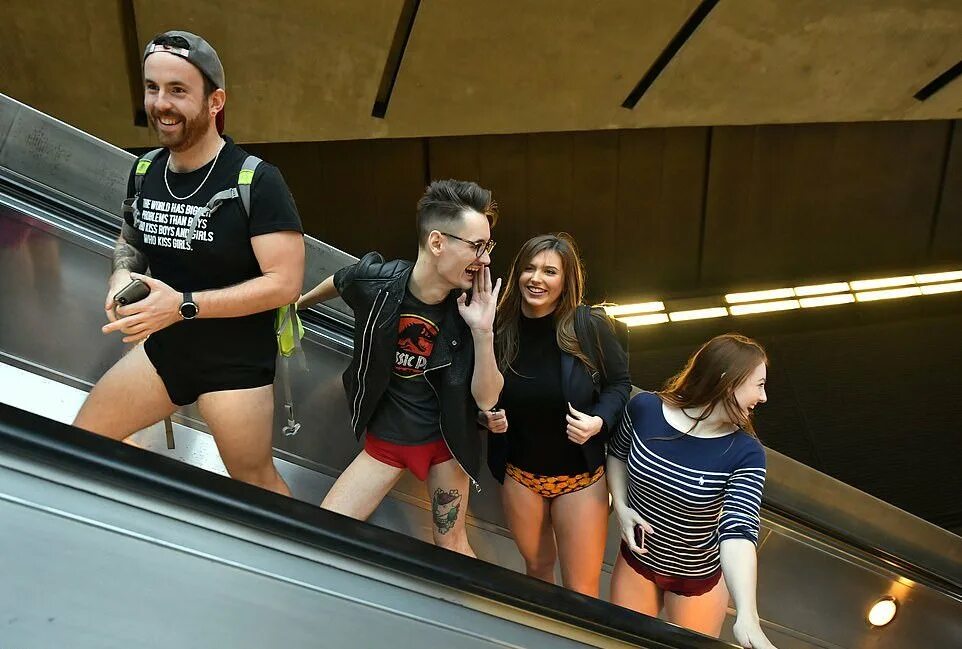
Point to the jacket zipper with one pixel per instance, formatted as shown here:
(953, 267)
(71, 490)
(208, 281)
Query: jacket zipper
(362, 374)
(474, 483)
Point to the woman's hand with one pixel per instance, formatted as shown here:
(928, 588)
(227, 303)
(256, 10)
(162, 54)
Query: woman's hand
(582, 427)
(494, 420)
(748, 633)
(628, 521)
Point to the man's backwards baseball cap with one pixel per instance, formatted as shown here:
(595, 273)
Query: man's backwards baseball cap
(198, 52)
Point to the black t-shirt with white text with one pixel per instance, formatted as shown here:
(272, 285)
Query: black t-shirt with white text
(409, 412)
(220, 253)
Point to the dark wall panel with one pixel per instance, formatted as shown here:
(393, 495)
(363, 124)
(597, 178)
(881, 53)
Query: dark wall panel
(947, 239)
(815, 201)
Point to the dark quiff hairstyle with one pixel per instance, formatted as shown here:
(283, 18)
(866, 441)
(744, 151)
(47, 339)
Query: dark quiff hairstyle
(445, 201)
(572, 294)
(711, 376)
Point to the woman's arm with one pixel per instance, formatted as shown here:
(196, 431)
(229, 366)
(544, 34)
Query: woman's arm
(615, 379)
(740, 567)
(628, 518)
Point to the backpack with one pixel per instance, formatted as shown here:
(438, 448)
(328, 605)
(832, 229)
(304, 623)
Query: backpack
(287, 324)
(589, 339)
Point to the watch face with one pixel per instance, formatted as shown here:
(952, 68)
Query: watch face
(188, 310)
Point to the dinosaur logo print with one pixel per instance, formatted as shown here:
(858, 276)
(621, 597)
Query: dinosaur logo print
(415, 342)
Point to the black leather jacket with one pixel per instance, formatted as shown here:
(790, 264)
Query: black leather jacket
(374, 289)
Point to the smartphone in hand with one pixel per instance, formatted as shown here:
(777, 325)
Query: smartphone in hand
(133, 292)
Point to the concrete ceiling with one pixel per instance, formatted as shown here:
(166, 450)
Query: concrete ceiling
(309, 70)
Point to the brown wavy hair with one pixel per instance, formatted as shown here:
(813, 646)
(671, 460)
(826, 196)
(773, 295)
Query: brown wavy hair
(711, 376)
(572, 294)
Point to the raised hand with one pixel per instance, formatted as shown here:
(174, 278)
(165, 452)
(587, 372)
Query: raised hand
(157, 311)
(479, 315)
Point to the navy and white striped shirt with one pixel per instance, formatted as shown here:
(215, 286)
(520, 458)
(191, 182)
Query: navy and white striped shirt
(694, 492)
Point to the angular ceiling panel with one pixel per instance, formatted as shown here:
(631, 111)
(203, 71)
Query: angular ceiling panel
(772, 61)
(499, 66)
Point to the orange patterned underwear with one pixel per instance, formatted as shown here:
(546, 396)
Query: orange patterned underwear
(553, 486)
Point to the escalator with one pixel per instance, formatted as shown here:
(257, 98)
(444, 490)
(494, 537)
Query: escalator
(114, 545)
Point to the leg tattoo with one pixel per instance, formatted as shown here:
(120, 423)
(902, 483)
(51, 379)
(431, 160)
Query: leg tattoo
(445, 505)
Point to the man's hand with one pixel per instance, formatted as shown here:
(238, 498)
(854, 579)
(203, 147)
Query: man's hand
(494, 420)
(582, 427)
(479, 315)
(157, 311)
(117, 281)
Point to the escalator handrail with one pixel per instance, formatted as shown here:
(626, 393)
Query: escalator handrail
(36, 438)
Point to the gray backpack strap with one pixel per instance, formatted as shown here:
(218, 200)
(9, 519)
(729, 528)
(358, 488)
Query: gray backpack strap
(244, 180)
(215, 201)
(143, 164)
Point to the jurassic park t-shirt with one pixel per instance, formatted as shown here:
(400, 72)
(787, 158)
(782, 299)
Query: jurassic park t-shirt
(409, 412)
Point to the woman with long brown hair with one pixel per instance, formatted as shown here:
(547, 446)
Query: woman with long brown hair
(686, 474)
(561, 405)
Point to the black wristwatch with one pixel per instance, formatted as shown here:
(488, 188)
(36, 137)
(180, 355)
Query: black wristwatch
(188, 308)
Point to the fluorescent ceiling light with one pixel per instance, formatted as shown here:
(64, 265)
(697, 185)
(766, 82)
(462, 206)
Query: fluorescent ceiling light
(934, 289)
(763, 307)
(821, 289)
(754, 296)
(698, 314)
(642, 320)
(640, 307)
(885, 282)
(888, 294)
(826, 300)
(938, 277)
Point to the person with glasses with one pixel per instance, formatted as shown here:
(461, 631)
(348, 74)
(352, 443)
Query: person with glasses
(551, 459)
(686, 474)
(423, 361)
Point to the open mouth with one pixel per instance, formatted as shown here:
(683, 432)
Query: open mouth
(536, 291)
(167, 123)
(474, 269)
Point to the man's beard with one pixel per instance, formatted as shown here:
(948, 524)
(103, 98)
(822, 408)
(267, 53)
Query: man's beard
(192, 130)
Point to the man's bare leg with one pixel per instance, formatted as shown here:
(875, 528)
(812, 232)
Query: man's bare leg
(361, 487)
(448, 488)
(241, 423)
(128, 398)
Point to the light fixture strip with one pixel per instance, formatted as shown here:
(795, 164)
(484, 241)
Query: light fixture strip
(763, 307)
(757, 296)
(645, 320)
(888, 294)
(698, 314)
(884, 282)
(629, 309)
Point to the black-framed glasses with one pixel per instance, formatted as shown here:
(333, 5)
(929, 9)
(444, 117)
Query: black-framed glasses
(480, 247)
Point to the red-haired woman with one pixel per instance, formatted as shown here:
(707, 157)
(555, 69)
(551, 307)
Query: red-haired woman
(686, 474)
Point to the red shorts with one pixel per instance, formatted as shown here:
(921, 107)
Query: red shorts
(418, 459)
(685, 586)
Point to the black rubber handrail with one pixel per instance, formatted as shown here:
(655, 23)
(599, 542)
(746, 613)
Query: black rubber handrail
(48, 442)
